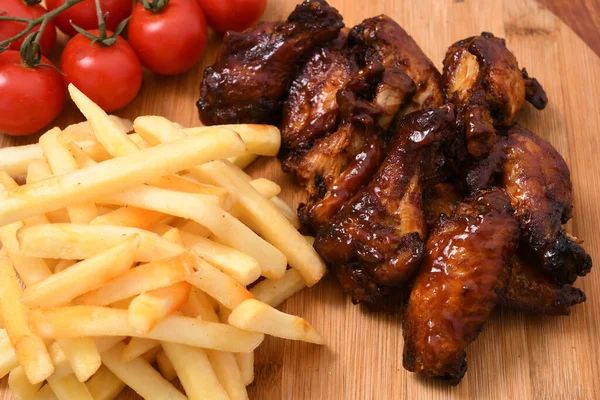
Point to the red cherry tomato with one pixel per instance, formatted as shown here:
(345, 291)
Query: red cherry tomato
(31, 97)
(109, 75)
(18, 8)
(232, 15)
(170, 41)
(84, 14)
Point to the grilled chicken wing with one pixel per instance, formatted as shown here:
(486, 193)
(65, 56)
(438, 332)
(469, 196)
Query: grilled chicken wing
(248, 81)
(382, 39)
(531, 289)
(538, 182)
(483, 80)
(376, 239)
(466, 267)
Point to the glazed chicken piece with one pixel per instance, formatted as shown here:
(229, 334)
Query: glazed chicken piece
(248, 81)
(465, 268)
(531, 289)
(538, 182)
(438, 200)
(382, 39)
(338, 164)
(482, 79)
(376, 240)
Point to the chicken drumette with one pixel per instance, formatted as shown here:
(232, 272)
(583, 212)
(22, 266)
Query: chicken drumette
(248, 81)
(482, 79)
(538, 182)
(376, 240)
(466, 267)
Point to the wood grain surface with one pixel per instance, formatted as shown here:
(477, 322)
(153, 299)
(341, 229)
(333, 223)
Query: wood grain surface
(517, 356)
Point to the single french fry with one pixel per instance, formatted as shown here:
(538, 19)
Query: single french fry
(69, 388)
(38, 170)
(181, 184)
(8, 357)
(61, 161)
(165, 367)
(30, 269)
(138, 346)
(244, 160)
(79, 242)
(224, 363)
(264, 140)
(149, 308)
(20, 387)
(82, 158)
(274, 293)
(103, 321)
(140, 376)
(16, 160)
(130, 216)
(266, 187)
(245, 361)
(195, 372)
(117, 174)
(143, 278)
(287, 211)
(87, 275)
(262, 216)
(82, 355)
(219, 286)
(30, 349)
(105, 385)
(256, 316)
(236, 264)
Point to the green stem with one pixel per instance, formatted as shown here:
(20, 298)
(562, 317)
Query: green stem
(32, 23)
(101, 23)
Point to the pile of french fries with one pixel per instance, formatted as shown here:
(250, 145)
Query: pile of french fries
(125, 251)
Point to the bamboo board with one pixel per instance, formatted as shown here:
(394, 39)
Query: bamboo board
(517, 356)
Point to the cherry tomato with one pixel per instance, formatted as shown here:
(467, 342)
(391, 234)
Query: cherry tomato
(18, 8)
(109, 75)
(84, 14)
(232, 15)
(170, 41)
(31, 97)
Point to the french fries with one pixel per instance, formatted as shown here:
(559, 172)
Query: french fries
(255, 316)
(101, 321)
(139, 375)
(143, 278)
(117, 174)
(87, 275)
(30, 349)
(97, 201)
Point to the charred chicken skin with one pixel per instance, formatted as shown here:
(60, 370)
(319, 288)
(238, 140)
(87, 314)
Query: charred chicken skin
(249, 80)
(465, 270)
(538, 182)
(376, 240)
(532, 290)
(482, 79)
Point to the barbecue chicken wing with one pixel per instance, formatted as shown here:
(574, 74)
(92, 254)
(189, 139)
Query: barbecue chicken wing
(248, 81)
(531, 289)
(483, 80)
(376, 240)
(466, 267)
(382, 39)
(538, 182)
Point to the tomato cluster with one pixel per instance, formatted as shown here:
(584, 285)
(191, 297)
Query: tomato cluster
(168, 37)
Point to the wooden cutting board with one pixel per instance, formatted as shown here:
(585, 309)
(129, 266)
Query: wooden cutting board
(517, 356)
